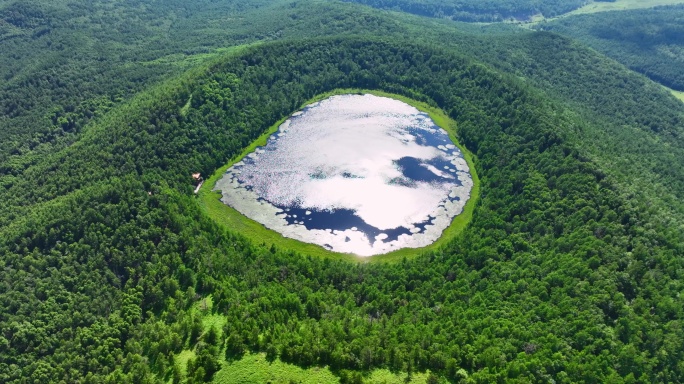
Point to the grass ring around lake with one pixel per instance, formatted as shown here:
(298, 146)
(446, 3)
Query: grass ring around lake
(236, 222)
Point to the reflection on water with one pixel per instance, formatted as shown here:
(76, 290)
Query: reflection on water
(353, 173)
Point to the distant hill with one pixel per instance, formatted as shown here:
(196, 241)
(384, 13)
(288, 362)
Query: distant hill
(472, 10)
(649, 41)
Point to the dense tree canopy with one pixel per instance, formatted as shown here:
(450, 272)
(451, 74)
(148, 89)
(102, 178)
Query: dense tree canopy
(557, 275)
(570, 270)
(472, 10)
(78, 60)
(648, 41)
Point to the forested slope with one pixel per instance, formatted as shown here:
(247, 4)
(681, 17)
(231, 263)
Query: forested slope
(648, 41)
(630, 125)
(480, 11)
(68, 62)
(570, 270)
(556, 277)
(101, 64)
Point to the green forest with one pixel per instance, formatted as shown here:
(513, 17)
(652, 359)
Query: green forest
(570, 270)
(478, 11)
(650, 42)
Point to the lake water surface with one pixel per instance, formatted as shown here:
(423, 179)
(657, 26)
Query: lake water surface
(358, 174)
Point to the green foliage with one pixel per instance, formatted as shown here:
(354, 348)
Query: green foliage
(254, 368)
(627, 124)
(571, 268)
(69, 61)
(556, 275)
(647, 41)
(470, 10)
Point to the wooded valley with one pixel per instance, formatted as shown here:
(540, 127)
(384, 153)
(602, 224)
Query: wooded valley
(570, 270)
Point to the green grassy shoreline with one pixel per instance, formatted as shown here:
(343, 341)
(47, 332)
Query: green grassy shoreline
(233, 220)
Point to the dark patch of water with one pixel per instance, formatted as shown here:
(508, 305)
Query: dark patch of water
(415, 170)
(427, 138)
(343, 219)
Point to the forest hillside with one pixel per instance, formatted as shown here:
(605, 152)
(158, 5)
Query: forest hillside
(113, 270)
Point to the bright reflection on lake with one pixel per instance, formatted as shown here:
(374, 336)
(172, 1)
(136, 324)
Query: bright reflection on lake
(356, 174)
